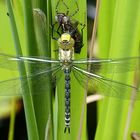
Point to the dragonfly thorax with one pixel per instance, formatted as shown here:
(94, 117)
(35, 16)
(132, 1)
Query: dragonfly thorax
(66, 57)
(66, 49)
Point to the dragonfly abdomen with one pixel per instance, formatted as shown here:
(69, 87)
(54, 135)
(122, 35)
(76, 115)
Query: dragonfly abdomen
(67, 99)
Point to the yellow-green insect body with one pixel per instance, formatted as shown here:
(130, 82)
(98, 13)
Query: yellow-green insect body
(66, 55)
(66, 48)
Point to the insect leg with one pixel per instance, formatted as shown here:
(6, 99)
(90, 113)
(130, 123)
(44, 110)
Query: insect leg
(66, 7)
(83, 26)
(76, 27)
(56, 9)
(52, 26)
(58, 30)
(82, 32)
(79, 38)
(77, 10)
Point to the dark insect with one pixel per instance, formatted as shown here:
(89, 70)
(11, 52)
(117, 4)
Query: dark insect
(67, 25)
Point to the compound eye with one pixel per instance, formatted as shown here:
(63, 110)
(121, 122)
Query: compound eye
(65, 19)
(56, 18)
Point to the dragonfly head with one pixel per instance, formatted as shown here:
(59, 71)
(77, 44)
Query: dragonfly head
(66, 42)
(62, 18)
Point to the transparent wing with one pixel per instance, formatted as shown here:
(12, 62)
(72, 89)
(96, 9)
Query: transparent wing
(36, 62)
(40, 69)
(38, 82)
(104, 85)
(109, 65)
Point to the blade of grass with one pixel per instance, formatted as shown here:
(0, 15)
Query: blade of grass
(49, 14)
(42, 102)
(44, 50)
(48, 133)
(94, 31)
(78, 103)
(27, 99)
(12, 119)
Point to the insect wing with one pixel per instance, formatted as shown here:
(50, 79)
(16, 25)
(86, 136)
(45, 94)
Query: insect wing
(38, 83)
(105, 86)
(40, 68)
(109, 66)
(40, 63)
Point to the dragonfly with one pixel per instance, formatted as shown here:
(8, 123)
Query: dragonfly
(68, 66)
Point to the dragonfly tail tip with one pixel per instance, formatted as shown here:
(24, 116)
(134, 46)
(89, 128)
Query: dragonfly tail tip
(67, 128)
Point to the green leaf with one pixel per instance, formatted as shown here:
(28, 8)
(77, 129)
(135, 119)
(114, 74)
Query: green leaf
(36, 46)
(118, 38)
(27, 99)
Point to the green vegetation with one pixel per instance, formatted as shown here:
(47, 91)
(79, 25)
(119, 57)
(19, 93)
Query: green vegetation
(26, 31)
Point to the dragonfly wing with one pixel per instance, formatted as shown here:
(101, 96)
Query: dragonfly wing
(34, 64)
(104, 85)
(6, 63)
(38, 82)
(104, 66)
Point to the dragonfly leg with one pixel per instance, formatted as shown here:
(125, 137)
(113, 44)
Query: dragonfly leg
(82, 32)
(66, 7)
(56, 9)
(52, 26)
(76, 11)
